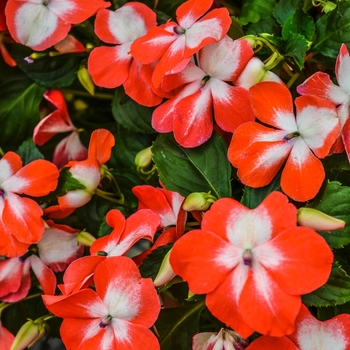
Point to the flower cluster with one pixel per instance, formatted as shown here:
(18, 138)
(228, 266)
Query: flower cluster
(202, 185)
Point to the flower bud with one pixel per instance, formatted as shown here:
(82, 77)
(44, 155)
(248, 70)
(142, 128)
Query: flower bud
(165, 273)
(224, 340)
(143, 159)
(251, 39)
(85, 238)
(317, 220)
(30, 333)
(198, 201)
(85, 80)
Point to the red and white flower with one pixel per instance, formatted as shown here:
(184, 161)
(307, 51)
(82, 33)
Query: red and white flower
(259, 151)
(320, 84)
(6, 338)
(40, 24)
(206, 96)
(21, 223)
(69, 148)
(116, 316)
(253, 264)
(174, 43)
(310, 333)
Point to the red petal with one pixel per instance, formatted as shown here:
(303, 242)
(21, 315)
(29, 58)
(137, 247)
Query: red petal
(272, 104)
(269, 343)
(100, 147)
(126, 295)
(190, 11)
(6, 338)
(69, 45)
(10, 163)
(303, 173)
(46, 277)
(104, 60)
(36, 179)
(10, 275)
(342, 67)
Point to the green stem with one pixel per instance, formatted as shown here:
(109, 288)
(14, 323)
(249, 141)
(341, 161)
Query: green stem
(100, 95)
(292, 80)
(108, 196)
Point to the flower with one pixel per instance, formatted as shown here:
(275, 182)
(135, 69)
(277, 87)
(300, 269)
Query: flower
(6, 338)
(226, 339)
(116, 316)
(321, 85)
(43, 23)
(174, 43)
(259, 151)
(112, 66)
(310, 333)
(206, 94)
(69, 148)
(20, 217)
(88, 172)
(253, 264)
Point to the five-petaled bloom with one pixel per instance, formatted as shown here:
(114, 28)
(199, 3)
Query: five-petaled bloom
(115, 316)
(259, 151)
(251, 263)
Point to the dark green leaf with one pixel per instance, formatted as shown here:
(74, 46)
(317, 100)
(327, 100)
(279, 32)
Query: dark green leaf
(284, 9)
(128, 144)
(130, 114)
(19, 114)
(333, 29)
(335, 201)
(67, 182)
(104, 228)
(49, 71)
(235, 30)
(255, 10)
(151, 264)
(177, 326)
(296, 48)
(299, 23)
(264, 26)
(335, 292)
(186, 170)
(29, 152)
(252, 197)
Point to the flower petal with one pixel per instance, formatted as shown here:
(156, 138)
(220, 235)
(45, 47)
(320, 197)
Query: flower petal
(46, 277)
(100, 147)
(342, 69)
(267, 342)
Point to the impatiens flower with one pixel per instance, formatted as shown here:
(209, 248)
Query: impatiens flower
(116, 316)
(259, 151)
(69, 148)
(126, 232)
(40, 24)
(207, 95)
(88, 172)
(226, 339)
(20, 217)
(310, 334)
(112, 66)
(168, 205)
(6, 338)
(320, 84)
(253, 264)
(172, 43)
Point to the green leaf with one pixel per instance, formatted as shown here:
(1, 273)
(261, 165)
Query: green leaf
(235, 30)
(296, 48)
(299, 23)
(177, 326)
(186, 170)
(255, 10)
(128, 144)
(264, 26)
(335, 292)
(284, 9)
(151, 264)
(335, 201)
(67, 182)
(130, 114)
(29, 152)
(252, 197)
(333, 29)
(49, 71)
(19, 113)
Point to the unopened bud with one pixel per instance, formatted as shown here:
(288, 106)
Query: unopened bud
(143, 159)
(224, 340)
(318, 220)
(252, 40)
(199, 201)
(85, 80)
(165, 273)
(85, 238)
(30, 333)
